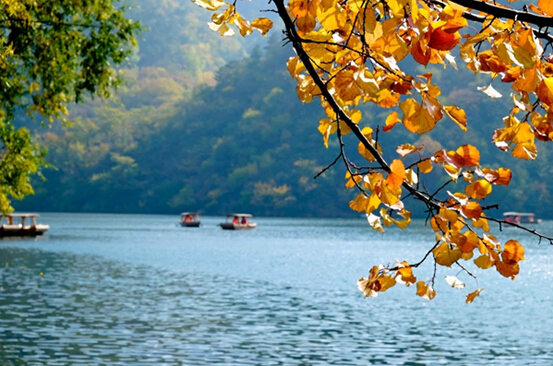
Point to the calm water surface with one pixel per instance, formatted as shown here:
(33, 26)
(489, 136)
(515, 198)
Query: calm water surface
(140, 290)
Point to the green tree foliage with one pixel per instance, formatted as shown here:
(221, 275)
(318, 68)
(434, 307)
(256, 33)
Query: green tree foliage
(51, 54)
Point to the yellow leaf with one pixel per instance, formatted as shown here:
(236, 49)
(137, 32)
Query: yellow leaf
(386, 282)
(327, 127)
(425, 166)
(306, 24)
(524, 57)
(483, 262)
(331, 15)
(263, 25)
(397, 174)
(425, 291)
(374, 202)
(416, 118)
(345, 85)
(391, 121)
(446, 256)
(523, 133)
(457, 115)
(546, 6)
(507, 270)
(388, 194)
(387, 99)
(472, 210)
(512, 252)
(479, 189)
(359, 203)
(525, 151)
(397, 6)
(528, 81)
(405, 274)
(472, 295)
(443, 41)
(295, 66)
(471, 243)
(470, 155)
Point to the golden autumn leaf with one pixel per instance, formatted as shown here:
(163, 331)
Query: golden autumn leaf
(263, 25)
(526, 151)
(484, 261)
(472, 210)
(513, 252)
(425, 291)
(473, 295)
(457, 115)
(374, 202)
(397, 174)
(425, 166)
(389, 195)
(416, 118)
(443, 41)
(545, 91)
(360, 203)
(546, 6)
(327, 127)
(472, 242)
(405, 275)
(303, 8)
(391, 121)
(469, 154)
(346, 86)
(523, 133)
(387, 99)
(446, 256)
(507, 270)
(386, 282)
(479, 189)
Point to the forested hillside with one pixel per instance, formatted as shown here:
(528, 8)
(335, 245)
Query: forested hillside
(204, 124)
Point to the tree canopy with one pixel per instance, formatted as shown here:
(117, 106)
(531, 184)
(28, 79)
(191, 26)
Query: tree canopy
(355, 52)
(52, 54)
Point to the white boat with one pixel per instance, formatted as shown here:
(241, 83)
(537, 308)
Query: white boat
(26, 225)
(190, 219)
(238, 221)
(521, 218)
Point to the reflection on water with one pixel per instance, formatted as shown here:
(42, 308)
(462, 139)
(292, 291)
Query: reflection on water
(64, 304)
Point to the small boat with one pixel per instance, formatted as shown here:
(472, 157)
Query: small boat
(9, 228)
(189, 219)
(237, 221)
(521, 218)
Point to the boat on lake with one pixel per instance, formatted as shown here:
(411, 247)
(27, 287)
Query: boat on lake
(238, 221)
(521, 218)
(21, 224)
(190, 219)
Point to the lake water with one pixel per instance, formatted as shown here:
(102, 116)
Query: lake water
(140, 290)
